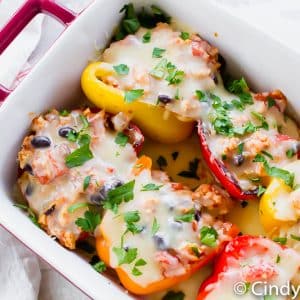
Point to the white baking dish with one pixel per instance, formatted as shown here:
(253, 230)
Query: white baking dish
(55, 82)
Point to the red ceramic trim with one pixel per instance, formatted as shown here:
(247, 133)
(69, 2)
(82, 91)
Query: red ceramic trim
(23, 16)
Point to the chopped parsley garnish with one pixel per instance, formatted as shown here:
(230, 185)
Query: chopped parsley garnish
(99, 266)
(290, 153)
(247, 287)
(241, 89)
(159, 71)
(208, 236)
(202, 96)
(280, 240)
(271, 102)
(79, 156)
(261, 190)
(261, 118)
(171, 295)
(121, 139)
(240, 148)
(296, 187)
(30, 213)
(237, 104)
(147, 37)
(158, 52)
(130, 218)
(192, 171)
(155, 227)
(185, 35)
(115, 197)
(125, 256)
(151, 187)
(139, 263)
(72, 136)
(285, 175)
(89, 222)
(196, 251)
(121, 69)
(175, 76)
(278, 258)
(187, 217)
(267, 154)
(295, 237)
(64, 113)
(176, 96)
(84, 121)
(84, 139)
(130, 96)
(86, 182)
(175, 155)
(76, 206)
(161, 161)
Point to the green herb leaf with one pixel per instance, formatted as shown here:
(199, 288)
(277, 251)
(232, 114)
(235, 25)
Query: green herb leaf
(115, 197)
(79, 156)
(295, 237)
(185, 35)
(90, 221)
(159, 70)
(76, 206)
(171, 295)
(240, 148)
(238, 104)
(267, 154)
(132, 216)
(280, 240)
(72, 136)
(158, 52)
(84, 139)
(290, 153)
(125, 256)
(131, 25)
(99, 266)
(271, 102)
(64, 113)
(285, 175)
(86, 182)
(30, 213)
(202, 96)
(196, 251)
(147, 37)
(151, 187)
(261, 118)
(261, 190)
(155, 227)
(136, 272)
(140, 262)
(175, 76)
(208, 236)
(278, 258)
(84, 121)
(121, 139)
(121, 69)
(133, 95)
(187, 217)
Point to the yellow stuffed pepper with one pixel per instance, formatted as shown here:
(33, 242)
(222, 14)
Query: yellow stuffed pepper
(159, 83)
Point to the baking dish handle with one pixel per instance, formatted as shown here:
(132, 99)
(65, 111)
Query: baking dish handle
(22, 17)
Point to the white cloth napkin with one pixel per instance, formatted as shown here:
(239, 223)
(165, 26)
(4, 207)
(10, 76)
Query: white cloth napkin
(22, 274)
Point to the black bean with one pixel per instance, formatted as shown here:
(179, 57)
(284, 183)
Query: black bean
(40, 142)
(197, 215)
(159, 242)
(238, 159)
(85, 246)
(64, 131)
(50, 210)
(101, 195)
(164, 99)
(28, 168)
(29, 189)
(214, 78)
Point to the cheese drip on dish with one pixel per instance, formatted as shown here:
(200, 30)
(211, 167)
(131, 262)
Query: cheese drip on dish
(51, 186)
(172, 233)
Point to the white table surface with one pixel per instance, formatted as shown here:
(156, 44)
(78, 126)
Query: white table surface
(22, 274)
